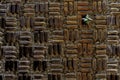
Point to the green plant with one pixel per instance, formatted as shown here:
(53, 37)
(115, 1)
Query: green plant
(87, 19)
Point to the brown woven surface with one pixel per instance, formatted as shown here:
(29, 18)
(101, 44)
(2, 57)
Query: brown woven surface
(50, 40)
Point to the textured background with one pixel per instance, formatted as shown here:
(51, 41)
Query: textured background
(49, 40)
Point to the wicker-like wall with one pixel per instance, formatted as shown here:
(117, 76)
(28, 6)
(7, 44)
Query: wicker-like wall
(59, 39)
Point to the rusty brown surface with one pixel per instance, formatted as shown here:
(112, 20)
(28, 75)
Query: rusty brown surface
(50, 40)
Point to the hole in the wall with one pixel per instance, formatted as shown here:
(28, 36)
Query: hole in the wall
(116, 77)
(49, 77)
(59, 47)
(53, 77)
(2, 22)
(44, 65)
(113, 77)
(35, 65)
(10, 65)
(83, 22)
(1, 78)
(50, 49)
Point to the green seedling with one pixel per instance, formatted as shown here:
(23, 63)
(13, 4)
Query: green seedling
(87, 19)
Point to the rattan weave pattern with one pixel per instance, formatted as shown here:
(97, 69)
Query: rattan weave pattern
(59, 39)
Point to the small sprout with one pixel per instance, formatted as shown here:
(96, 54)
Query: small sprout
(87, 19)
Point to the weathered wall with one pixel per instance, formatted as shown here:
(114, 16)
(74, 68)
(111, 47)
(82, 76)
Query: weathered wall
(53, 39)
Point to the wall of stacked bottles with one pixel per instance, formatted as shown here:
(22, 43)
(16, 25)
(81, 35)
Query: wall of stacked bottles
(59, 39)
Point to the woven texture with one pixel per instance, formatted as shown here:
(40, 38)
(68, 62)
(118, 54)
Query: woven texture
(59, 39)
